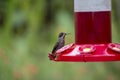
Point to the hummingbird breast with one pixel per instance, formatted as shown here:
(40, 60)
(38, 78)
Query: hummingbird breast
(61, 43)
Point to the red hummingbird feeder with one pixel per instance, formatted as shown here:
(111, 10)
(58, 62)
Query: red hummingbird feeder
(92, 34)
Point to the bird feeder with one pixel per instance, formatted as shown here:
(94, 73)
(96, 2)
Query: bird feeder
(92, 34)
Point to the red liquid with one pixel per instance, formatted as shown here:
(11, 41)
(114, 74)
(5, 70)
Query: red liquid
(93, 27)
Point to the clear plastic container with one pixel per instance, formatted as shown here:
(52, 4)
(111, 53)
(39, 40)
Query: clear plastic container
(92, 21)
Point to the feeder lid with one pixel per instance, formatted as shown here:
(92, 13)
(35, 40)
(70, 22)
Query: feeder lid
(88, 53)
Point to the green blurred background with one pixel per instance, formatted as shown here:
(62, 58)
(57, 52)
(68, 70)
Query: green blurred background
(28, 31)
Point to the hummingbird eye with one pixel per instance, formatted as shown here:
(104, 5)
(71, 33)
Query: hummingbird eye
(61, 34)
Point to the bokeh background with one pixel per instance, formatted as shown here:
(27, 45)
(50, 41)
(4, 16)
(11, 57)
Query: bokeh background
(28, 31)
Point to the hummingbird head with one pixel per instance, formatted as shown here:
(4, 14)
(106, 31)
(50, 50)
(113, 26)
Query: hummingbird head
(62, 34)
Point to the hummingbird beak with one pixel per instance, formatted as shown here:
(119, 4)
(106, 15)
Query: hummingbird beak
(68, 33)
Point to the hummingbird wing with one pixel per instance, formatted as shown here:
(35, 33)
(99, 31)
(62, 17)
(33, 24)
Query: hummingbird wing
(55, 48)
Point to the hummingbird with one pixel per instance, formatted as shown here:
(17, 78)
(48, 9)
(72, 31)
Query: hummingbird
(60, 43)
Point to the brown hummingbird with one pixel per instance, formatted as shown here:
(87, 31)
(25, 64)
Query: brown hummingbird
(60, 43)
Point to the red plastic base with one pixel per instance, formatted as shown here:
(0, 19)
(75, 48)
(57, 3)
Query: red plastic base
(88, 53)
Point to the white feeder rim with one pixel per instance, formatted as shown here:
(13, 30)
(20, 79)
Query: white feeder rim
(92, 5)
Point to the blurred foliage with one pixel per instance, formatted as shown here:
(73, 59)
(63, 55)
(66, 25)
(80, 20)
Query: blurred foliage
(28, 30)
